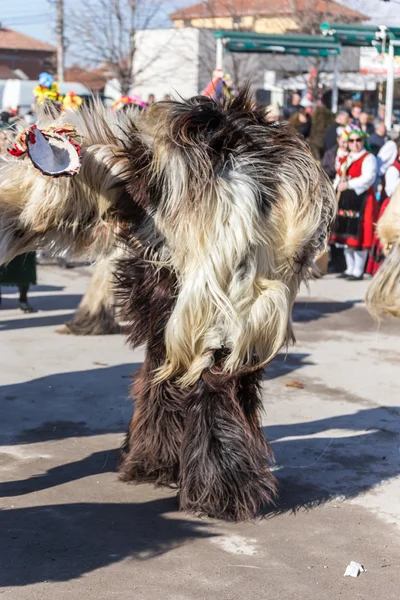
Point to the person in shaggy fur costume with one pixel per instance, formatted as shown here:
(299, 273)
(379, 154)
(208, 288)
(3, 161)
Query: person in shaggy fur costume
(220, 215)
(96, 313)
(383, 297)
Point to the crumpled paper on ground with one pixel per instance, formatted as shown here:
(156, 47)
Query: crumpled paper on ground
(354, 569)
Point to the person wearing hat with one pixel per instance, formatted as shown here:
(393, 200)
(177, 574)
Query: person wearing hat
(357, 206)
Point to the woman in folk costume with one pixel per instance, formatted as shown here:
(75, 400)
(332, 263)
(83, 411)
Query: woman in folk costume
(389, 173)
(218, 236)
(357, 206)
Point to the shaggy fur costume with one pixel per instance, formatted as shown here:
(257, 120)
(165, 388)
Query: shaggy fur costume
(96, 313)
(221, 214)
(383, 297)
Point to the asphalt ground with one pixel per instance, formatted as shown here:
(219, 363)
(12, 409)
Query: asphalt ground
(69, 529)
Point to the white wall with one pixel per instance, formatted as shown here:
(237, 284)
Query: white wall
(167, 62)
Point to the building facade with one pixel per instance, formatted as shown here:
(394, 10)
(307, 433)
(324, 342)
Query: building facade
(259, 16)
(24, 57)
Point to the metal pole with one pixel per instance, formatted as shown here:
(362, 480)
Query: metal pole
(389, 88)
(219, 63)
(60, 40)
(335, 88)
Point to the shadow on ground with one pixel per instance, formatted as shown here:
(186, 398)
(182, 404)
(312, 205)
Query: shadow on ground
(286, 363)
(44, 303)
(313, 470)
(34, 288)
(304, 311)
(38, 321)
(317, 460)
(65, 541)
(339, 317)
(76, 404)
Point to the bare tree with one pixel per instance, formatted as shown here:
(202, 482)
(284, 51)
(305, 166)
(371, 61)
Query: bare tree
(308, 16)
(104, 32)
(243, 68)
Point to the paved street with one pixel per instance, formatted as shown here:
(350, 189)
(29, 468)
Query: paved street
(69, 529)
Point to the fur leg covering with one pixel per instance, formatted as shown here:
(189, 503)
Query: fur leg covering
(225, 457)
(96, 313)
(152, 446)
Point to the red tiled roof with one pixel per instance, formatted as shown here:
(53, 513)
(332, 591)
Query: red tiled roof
(14, 40)
(239, 8)
(94, 80)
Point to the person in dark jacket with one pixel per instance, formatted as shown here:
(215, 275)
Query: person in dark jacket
(365, 124)
(342, 118)
(355, 115)
(293, 107)
(377, 139)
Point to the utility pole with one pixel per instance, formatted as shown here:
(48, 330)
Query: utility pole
(60, 40)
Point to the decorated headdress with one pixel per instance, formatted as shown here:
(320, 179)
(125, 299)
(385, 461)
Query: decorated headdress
(350, 129)
(125, 100)
(72, 101)
(47, 90)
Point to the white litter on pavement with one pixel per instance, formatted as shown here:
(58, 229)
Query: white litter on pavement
(236, 544)
(354, 569)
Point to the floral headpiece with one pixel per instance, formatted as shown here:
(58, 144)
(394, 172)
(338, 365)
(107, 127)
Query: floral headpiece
(72, 101)
(128, 100)
(351, 129)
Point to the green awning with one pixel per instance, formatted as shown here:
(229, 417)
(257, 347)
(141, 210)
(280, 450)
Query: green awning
(361, 35)
(302, 45)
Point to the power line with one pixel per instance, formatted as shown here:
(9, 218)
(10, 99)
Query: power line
(25, 17)
(45, 19)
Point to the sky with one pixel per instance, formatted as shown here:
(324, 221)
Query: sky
(381, 13)
(37, 17)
